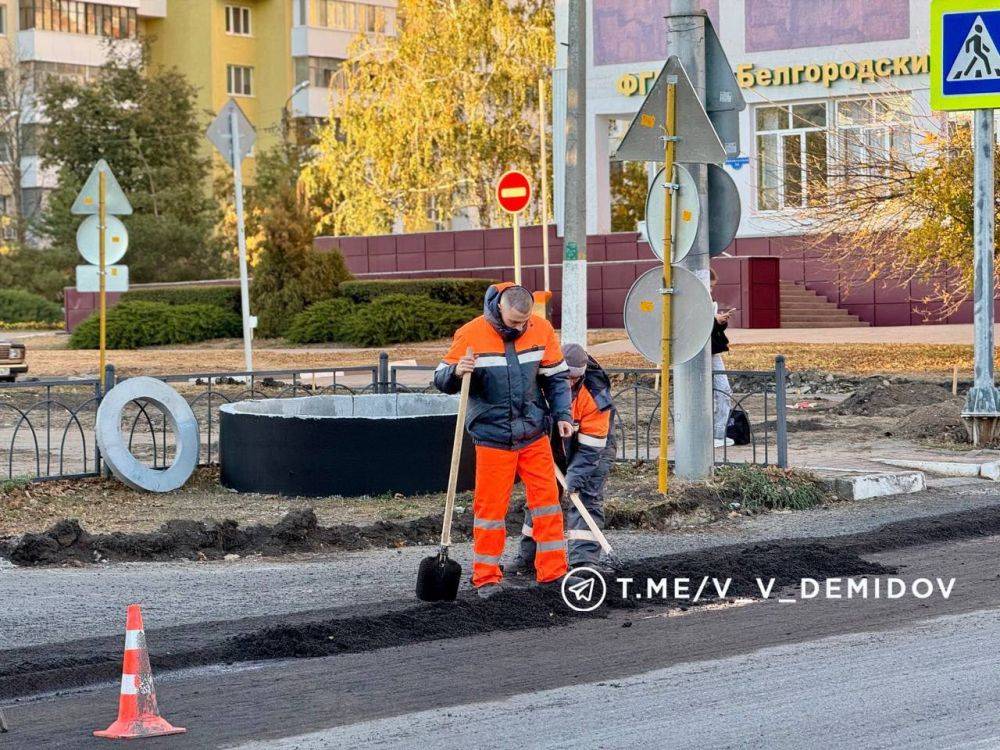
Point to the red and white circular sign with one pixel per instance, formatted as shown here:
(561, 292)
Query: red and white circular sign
(514, 192)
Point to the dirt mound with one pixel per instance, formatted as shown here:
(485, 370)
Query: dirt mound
(877, 396)
(297, 531)
(940, 423)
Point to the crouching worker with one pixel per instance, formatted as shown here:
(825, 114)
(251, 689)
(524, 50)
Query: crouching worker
(519, 383)
(590, 454)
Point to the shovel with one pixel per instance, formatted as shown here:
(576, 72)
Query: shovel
(589, 520)
(438, 576)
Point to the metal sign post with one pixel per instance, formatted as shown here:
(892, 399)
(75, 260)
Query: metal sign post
(965, 74)
(101, 227)
(513, 195)
(670, 146)
(241, 241)
(233, 135)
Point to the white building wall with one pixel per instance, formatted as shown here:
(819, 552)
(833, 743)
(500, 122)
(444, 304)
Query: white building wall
(606, 103)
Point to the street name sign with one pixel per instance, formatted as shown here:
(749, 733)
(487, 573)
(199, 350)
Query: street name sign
(965, 59)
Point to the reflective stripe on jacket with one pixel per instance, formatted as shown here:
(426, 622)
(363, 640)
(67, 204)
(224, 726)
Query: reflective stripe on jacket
(520, 382)
(592, 449)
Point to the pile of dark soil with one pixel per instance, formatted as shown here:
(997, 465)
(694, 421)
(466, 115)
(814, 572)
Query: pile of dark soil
(940, 423)
(298, 531)
(876, 396)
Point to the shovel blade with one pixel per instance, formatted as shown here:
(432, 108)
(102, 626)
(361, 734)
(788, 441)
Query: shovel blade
(438, 578)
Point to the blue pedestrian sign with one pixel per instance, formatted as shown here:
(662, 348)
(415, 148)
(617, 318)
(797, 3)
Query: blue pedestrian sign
(965, 58)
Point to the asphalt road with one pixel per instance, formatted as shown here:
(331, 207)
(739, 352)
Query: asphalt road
(54, 605)
(818, 672)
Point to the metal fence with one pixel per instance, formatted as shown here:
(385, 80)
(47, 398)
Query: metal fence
(47, 426)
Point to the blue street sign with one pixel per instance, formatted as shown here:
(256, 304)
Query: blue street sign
(965, 58)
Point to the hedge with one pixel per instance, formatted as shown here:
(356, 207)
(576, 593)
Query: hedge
(19, 306)
(226, 297)
(402, 318)
(131, 325)
(321, 322)
(462, 292)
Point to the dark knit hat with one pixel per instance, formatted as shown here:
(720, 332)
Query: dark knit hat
(576, 359)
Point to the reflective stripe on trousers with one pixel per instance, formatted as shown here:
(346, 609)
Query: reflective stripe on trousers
(583, 547)
(495, 473)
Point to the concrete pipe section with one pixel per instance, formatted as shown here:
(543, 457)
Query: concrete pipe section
(342, 445)
(114, 446)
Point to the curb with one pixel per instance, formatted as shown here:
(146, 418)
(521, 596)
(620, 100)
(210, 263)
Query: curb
(986, 470)
(869, 486)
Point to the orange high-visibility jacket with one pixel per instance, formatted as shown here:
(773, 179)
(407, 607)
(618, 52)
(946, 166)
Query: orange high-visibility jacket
(520, 382)
(592, 449)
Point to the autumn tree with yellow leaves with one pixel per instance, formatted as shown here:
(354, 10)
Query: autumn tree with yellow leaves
(903, 212)
(422, 124)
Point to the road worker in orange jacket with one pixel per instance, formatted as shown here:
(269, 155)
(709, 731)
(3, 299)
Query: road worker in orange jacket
(590, 453)
(519, 386)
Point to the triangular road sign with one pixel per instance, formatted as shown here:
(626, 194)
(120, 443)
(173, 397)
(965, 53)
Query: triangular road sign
(115, 202)
(978, 59)
(723, 98)
(220, 132)
(698, 144)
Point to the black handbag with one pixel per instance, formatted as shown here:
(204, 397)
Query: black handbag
(738, 427)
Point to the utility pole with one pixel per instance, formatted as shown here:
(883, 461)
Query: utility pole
(574, 276)
(982, 405)
(694, 454)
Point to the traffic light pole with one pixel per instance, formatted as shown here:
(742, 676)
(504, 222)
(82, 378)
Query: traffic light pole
(694, 454)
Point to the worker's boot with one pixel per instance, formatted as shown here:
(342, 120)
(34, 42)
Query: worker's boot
(489, 590)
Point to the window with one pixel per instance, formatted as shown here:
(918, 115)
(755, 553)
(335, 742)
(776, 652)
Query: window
(239, 80)
(237, 20)
(76, 17)
(3, 19)
(319, 71)
(349, 16)
(871, 133)
(791, 155)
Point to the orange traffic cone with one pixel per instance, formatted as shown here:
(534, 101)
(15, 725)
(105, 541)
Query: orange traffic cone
(137, 712)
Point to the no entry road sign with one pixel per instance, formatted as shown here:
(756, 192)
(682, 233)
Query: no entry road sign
(965, 59)
(514, 192)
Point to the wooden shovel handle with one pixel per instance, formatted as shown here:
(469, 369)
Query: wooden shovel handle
(585, 514)
(456, 457)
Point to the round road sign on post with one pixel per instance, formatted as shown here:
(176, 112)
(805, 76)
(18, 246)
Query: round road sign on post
(724, 202)
(514, 192)
(691, 315)
(687, 213)
(115, 240)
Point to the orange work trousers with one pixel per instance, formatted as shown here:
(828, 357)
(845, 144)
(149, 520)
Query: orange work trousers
(495, 472)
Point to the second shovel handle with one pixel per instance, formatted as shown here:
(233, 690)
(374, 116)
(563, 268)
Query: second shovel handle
(456, 457)
(585, 515)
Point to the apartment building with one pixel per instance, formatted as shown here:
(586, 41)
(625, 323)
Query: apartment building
(278, 58)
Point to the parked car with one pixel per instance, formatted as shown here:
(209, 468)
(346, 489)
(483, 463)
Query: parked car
(13, 361)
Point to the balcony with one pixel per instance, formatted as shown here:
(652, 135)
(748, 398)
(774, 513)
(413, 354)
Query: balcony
(153, 8)
(313, 101)
(63, 47)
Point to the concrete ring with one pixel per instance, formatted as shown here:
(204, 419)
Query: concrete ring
(114, 448)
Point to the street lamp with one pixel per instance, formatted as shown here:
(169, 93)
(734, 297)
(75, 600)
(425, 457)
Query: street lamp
(285, 115)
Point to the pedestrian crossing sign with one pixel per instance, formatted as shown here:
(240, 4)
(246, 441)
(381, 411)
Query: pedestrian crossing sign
(965, 59)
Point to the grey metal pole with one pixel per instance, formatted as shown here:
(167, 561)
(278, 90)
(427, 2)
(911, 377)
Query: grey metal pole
(694, 454)
(574, 273)
(982, 405)
(241, 238)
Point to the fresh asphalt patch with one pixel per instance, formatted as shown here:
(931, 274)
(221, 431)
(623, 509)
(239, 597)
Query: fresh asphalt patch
(366, 628)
